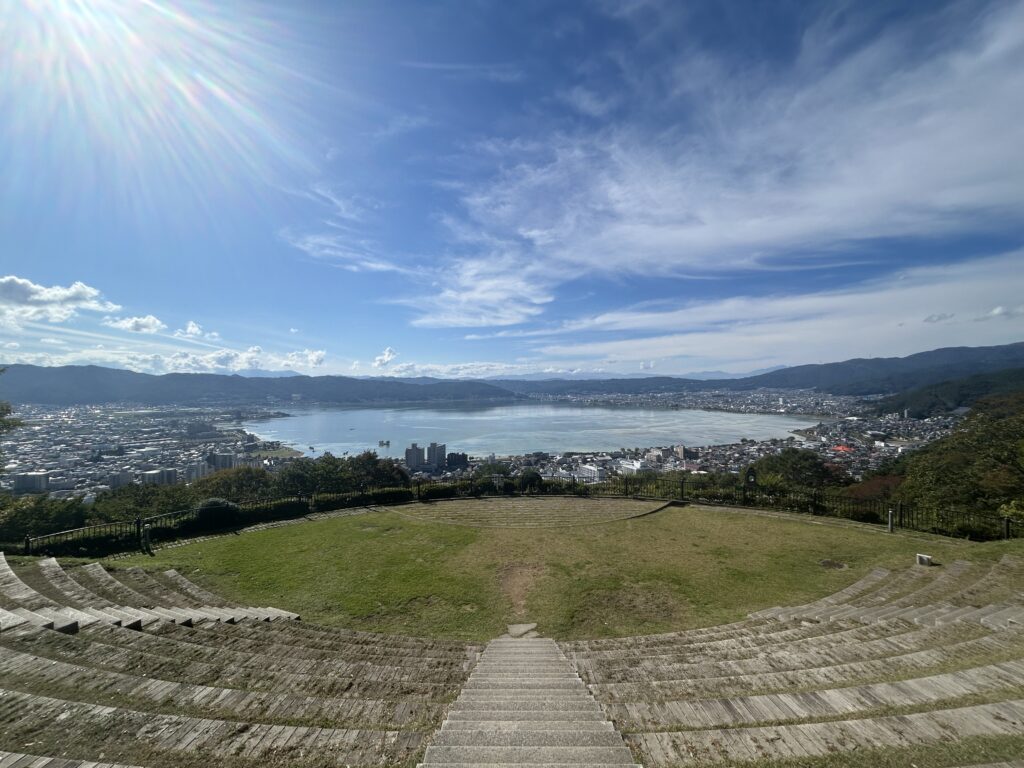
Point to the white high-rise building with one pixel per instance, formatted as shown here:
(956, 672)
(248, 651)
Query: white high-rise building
(414, 458)
(437, 457)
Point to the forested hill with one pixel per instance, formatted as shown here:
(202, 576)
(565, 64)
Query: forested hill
(949, 395)
(894, 374)
(81, 385)
(862, 376)
(980, 466)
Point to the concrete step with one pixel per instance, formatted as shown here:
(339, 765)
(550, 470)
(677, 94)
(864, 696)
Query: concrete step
(593, 765)
(527, 755)
(526, 711)
(491, 725)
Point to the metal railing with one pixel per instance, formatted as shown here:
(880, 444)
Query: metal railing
(107, 538)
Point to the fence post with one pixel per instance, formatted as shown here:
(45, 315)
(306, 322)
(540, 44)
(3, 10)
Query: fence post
(418, 484)
(1006, 527)
(899, 509)
(682, 489)
(28, 544)
(890, 520)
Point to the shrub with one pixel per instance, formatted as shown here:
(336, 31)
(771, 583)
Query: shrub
(432, 492)
(281, 509)
(330, 501)
(217, 513)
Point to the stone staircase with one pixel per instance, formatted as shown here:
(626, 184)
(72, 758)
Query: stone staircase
(524, 705)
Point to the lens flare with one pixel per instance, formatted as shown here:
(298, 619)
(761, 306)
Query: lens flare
(138, 99)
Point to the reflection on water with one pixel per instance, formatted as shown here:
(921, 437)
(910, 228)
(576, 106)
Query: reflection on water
(516, 429)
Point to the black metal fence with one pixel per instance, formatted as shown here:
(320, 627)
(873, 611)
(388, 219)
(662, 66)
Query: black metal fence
(107, 538)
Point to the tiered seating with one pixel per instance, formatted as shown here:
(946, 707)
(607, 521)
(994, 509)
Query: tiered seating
(922, 656)
(543, 512)
(230, 686)
(50, 598)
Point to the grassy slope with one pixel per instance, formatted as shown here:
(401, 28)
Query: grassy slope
(679, 568)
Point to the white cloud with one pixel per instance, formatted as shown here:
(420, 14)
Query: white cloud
(22, 301)
(789, 166)
(305, 358)
(502, 289)
(344, 250)
(293, 330)
(384, 358)
(194, 330)
(155, 355)
(144, 324)
(470, 370)
(191, 329)
(872, 319)
(1002, 313)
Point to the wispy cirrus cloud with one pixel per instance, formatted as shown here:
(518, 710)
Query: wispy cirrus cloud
(871, 319)
(342, 238)
(789, 166)
(495, 72)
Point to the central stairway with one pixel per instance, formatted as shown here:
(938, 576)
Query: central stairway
(524, 705)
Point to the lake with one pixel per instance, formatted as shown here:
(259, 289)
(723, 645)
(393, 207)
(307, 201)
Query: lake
(515, 429)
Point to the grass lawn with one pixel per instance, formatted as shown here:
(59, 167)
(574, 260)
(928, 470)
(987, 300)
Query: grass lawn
(679, 568)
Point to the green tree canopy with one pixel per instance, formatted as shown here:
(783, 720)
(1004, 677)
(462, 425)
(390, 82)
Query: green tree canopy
(980, 466)
(237, 484)
(485, 471)
(798, 468)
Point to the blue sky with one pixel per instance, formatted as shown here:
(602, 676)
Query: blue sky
(489, 188)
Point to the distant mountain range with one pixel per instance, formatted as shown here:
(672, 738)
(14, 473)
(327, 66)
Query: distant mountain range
(89, 384)
(861, 376)
(75, 385)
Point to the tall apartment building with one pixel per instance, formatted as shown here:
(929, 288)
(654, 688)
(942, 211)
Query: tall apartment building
(223, 461)
(159, 477)
(414, 458)
(31, 482)
(436, 456)
(120, 479)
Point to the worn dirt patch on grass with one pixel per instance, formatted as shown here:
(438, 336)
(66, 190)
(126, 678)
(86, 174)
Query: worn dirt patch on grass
(517, 579)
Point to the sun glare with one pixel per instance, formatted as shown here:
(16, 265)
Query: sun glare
(130, 97)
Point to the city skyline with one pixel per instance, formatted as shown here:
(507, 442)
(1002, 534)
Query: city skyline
(486, 190)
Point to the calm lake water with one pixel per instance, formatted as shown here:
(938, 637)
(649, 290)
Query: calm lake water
(515, 429)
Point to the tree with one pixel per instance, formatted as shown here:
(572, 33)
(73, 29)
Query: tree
(7, 422)
(133, 501)
(797, 468)
(238, 484)
(296, 478)
(484, 471)
(980, 466)
(530, 480)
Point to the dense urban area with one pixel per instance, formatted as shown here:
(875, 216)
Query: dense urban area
(82, 451)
